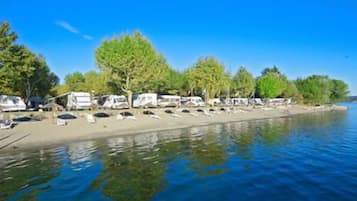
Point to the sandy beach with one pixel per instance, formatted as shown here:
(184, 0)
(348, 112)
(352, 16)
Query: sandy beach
(46, 133)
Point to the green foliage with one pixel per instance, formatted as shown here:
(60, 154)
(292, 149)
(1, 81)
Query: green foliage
(315, 89)
(96, 83)
(93, 82)
(274, 69)
(271, 85)
(173, 82)
(339, 91)
(243, 83)
(75, 82)
(208, 75)
(132, 62)
(291, 90)
(22, 72)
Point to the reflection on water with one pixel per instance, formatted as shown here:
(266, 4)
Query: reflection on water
(306, 157)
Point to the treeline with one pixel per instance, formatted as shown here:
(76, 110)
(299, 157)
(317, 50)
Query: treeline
(22, 72)
(130, 64)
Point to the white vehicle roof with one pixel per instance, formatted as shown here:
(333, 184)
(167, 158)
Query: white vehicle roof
(148, 94)
(194, 97)
(170, 96)
(80, 93)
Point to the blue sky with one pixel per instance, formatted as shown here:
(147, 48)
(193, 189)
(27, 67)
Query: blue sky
(301, 37)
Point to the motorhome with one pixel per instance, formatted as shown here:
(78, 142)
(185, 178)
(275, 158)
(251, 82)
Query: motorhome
(192, 101)
(169, 101)
(147, 100)
(11, 103)
(113, 102)
(74, 100)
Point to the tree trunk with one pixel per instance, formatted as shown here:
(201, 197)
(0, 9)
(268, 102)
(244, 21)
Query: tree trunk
(130, 97)
(206, 97)
(27, 92)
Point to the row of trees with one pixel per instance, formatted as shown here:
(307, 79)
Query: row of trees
(22, 72)
(130, 64)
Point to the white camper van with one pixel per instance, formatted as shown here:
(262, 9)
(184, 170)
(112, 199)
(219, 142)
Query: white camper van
(145, 100)
(113, 102)
(169, 101)
(193, 101)
(11, 103)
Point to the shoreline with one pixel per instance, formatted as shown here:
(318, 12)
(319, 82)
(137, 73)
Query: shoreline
(46, 134)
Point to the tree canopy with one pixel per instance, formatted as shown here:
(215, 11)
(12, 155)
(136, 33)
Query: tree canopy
(270, 85)
(320, 89)
(22, 72)
(208, 75)
(243, 83)
(131, 62)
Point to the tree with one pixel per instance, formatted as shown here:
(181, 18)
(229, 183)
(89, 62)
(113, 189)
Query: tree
(96, 83)
(243, 83)
(6, 44)
(131, 61)
(274, 69)
(75, 82)
(290, 90)
(22, 72)
(315, 89)
(173, 82)
(208, 75)
(339, 91)
(270, 85)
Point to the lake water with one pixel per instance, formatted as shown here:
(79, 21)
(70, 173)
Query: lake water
(307, 157)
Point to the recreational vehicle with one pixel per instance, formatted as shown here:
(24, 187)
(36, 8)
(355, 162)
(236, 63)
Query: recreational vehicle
(192, 101)
(145, 100)
(113, 102)
(169, 101)
(74, 100)
(11, 103)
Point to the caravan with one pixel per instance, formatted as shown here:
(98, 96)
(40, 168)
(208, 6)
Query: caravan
(192, 101)
(11, 103)
(145, 100)
(113, 102)
(169, 101)
(74, 100)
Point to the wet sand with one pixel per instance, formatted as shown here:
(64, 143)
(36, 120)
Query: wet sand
(46, 133)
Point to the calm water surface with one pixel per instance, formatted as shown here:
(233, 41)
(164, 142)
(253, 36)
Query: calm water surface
(309, 157)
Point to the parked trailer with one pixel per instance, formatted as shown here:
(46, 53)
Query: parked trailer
(169, 101)
(195, 101)
(113, 102)
(145, 100)
(74, 100)
(11, 103)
